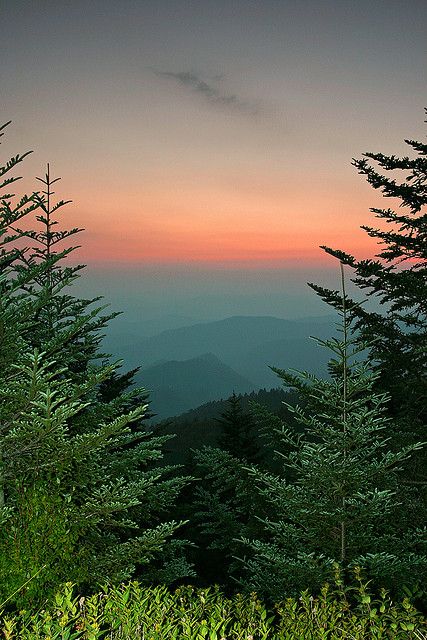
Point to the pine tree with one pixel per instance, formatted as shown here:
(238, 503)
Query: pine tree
(82, 498)
(397, 278)
(238, 431)
(222, 503)
(335, 498)
(64, 322)
(223, 506)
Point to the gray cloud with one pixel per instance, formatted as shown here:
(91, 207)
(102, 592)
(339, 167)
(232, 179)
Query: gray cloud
(210, 93)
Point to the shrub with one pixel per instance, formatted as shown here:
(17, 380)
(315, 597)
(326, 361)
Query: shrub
(132, 611)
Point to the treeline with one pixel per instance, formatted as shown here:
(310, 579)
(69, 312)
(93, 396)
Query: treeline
(209, 424)
(280, 499)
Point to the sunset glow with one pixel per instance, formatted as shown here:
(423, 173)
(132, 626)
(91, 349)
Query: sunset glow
(223, 136)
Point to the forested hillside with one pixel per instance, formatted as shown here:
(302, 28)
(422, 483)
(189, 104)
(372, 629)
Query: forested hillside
(204, 425)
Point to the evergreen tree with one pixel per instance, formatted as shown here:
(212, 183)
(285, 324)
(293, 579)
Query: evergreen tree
(339, 503)
(223, 506)
(82, 498)
(397, 278)
(237, 434)
(63, 322)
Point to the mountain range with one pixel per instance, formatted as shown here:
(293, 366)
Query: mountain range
(178, 385)
(186, 366)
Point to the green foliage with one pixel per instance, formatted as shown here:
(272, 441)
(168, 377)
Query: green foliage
(81, 494)
(223, 506)
(73, 501)
(238, 431)
(397, 279)
(41, 527)
(335, 497)
(131, 611)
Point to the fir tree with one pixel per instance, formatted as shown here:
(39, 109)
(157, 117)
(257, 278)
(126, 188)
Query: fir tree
(223, 506)
(397, 278)
(339, 503)
(81, 495)
(237, 431)
(63, 322)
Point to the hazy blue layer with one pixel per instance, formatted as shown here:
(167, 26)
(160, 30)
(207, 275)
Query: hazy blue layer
(148, 293)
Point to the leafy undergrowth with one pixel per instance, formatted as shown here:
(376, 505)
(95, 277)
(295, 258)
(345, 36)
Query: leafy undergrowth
(134, 612)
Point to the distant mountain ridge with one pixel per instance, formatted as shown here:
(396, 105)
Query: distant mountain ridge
(186, 366)
(247, 344)
(179, 385)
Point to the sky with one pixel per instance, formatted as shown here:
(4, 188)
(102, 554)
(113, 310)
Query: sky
(207, 145)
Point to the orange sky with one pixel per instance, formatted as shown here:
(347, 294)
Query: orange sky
(212, 134)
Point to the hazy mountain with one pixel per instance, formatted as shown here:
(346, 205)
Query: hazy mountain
(178, 385)
(121, 332)
(293, 352)
(247, 344)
